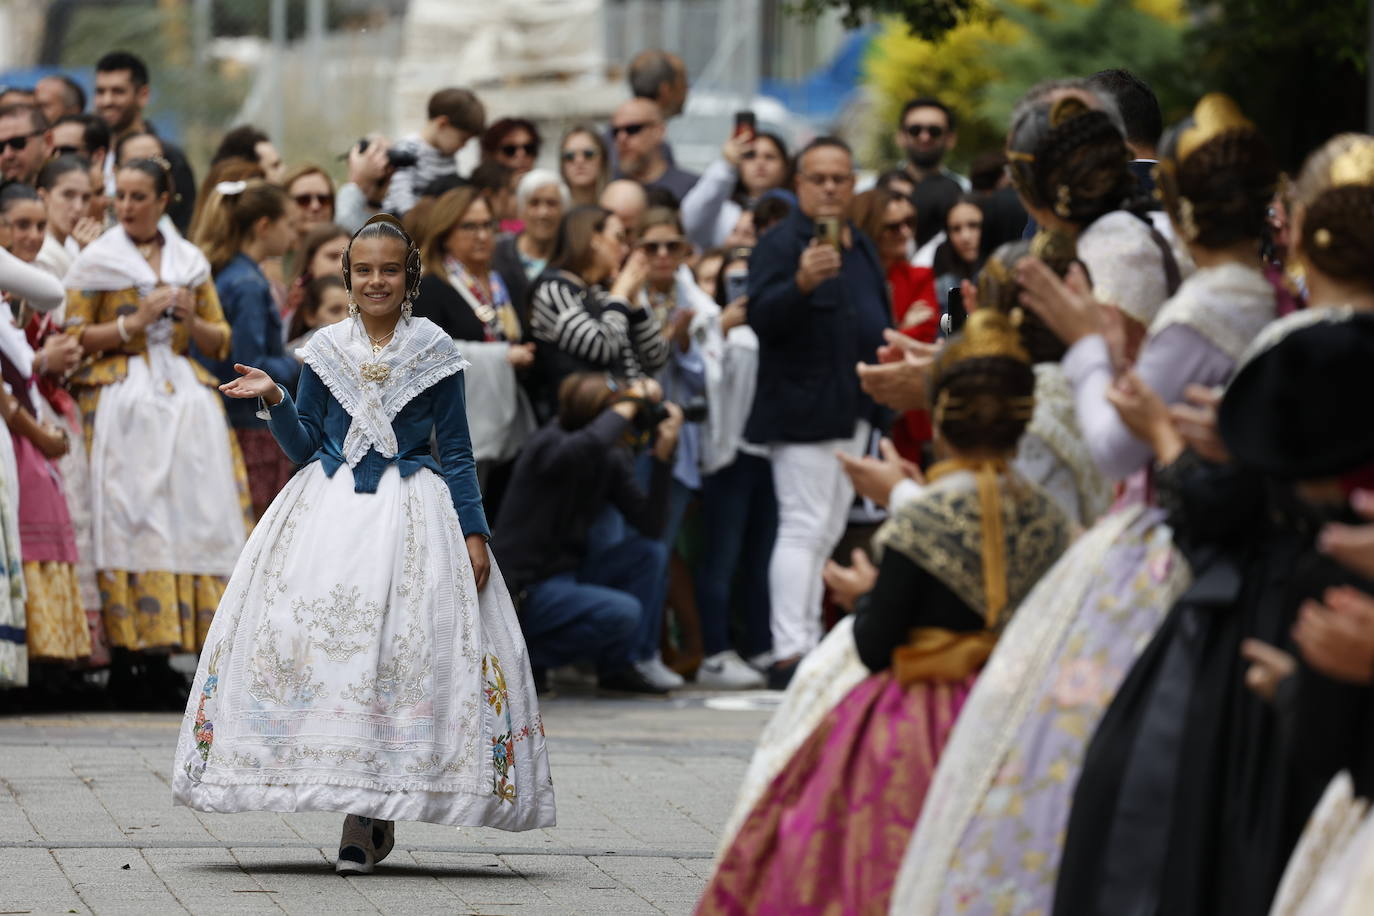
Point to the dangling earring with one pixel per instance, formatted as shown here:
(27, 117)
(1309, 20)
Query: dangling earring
(352, 306)
(407, 307)
(1061, 206)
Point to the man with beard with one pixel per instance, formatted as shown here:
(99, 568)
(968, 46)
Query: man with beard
(637, 129)
(121, 94)
(927, 134)
(23, 143)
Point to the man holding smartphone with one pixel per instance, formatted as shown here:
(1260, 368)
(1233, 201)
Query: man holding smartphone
(818, 302)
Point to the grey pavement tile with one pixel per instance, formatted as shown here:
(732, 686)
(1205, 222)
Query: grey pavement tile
(402, 884)
(209, 881)
(576, 882)
(35, 882)
(303, 879)
(116, 881)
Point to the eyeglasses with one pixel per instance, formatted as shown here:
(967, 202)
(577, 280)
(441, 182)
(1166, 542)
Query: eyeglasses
(473, 228)
(305, 200)
(934, 131)
(821, 181)
(529, 149)
(673, 247)
(896, 227)
(66, 151)
(572, 154)
(18, 143)
(630, 130)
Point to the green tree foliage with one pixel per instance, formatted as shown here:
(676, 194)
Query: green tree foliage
(927, 18)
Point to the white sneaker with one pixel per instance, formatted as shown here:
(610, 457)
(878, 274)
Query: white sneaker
(727, 671)
(660, 675)
(762, 662)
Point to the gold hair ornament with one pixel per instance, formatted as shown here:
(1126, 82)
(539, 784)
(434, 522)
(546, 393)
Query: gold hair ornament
(1064, 202)
(1187, 220)
(1355, 166)
(1215, 114)
(985, 334)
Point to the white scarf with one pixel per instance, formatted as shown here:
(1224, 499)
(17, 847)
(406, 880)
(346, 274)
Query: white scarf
(419, 355)
(112, 262)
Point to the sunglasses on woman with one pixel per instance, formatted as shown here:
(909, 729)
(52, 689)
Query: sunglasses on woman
(305, 200)
(572, 155)
(672, 247)
(510, 149)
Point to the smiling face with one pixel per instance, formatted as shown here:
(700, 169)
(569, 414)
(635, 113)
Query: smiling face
(67, 200)
(543, 210)
(516, 151)
(472, 240)
(118, 102)
(25, 223)
(16, 131)
(377, 270)
(138, 206)
(314, 201)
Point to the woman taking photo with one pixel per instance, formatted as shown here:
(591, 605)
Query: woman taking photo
(65, 188)
(248, 225)
(579, 326)
(467, 299)
(748, 167)
(170, 497)
(367, 658)
(585, 164)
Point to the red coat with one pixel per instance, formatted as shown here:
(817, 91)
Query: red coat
(913, 291)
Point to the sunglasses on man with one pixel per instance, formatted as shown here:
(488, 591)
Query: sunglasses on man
(18, 143)
(511, 149)
(630, 130)
(934, 131)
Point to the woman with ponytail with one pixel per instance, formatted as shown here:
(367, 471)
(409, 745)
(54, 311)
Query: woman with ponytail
(245, 223)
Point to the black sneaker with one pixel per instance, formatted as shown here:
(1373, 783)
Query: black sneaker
(628, 680)
(780, 675)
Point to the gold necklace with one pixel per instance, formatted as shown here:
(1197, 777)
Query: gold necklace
(379, 345)
(377, 371)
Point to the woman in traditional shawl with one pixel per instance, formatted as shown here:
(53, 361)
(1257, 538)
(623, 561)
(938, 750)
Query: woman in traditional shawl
(366, 657)
(827, 833)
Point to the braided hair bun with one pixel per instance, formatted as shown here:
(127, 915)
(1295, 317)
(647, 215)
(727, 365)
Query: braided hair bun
(1069, 157)
(998, 290)
(1335, 195)
(983, 391)
(1217, 175)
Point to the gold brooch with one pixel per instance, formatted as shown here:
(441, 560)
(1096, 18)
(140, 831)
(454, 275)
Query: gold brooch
(375, 372)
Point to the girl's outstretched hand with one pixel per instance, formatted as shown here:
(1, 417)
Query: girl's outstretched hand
(254, 384)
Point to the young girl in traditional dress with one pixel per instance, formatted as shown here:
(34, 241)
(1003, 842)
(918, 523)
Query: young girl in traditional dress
(828, 832)
(366, 657)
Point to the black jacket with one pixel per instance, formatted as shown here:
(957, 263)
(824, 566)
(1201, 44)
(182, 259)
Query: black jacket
(506, 262)
(808, 390)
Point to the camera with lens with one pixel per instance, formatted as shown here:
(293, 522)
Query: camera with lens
(396, 158)
(694, 410)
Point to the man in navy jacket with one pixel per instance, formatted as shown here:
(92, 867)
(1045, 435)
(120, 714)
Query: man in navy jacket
(818, 310)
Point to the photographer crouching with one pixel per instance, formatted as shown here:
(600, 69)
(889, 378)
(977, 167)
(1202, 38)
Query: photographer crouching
(584, 591)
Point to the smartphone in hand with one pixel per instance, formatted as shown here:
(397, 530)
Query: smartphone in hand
(828, 231)
(745, 124)
(952, 321)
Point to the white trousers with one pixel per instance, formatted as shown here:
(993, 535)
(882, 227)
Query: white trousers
(813, 505)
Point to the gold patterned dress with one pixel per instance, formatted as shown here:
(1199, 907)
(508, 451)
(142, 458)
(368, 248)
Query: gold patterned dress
(169, 490)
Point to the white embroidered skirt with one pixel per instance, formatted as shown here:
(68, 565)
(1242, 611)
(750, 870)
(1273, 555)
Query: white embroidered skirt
(352, 666)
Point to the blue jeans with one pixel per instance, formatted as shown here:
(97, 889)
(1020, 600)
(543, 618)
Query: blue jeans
(740, 520)
(597, 612)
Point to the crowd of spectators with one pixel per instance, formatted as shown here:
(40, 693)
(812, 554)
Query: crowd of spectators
(662, 362)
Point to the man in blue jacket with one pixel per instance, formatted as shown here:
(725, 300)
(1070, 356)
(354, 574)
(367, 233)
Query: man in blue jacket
(818, 309)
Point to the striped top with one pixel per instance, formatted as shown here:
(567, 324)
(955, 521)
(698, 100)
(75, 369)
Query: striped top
(596, 329)
(406, 184)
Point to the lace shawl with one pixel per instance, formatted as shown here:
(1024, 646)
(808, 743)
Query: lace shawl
(1228, 305)
(941, 531)
(419, 355)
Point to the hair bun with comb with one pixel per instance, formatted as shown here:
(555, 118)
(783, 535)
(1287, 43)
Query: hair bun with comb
(1066, 109)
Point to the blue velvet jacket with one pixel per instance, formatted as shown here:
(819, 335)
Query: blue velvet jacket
(313, 426)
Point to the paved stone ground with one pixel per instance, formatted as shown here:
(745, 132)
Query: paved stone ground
(87, 825)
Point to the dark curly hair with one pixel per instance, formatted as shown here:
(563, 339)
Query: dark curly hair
(999, 291)
(1220, 193)
(1071, 158)
(983, 391)
(1335, 193)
